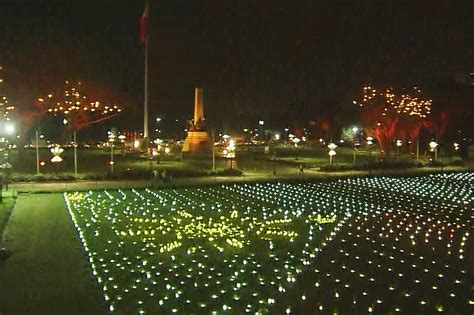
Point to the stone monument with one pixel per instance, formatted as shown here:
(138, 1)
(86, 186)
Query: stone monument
(197, 141)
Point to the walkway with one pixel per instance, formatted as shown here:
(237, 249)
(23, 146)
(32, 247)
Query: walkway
(309, 174)
(47, 272)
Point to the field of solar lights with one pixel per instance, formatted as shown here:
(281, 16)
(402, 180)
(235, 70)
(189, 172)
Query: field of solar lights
(355, 245)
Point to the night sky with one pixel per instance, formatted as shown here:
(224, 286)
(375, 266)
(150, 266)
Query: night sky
(281, 61)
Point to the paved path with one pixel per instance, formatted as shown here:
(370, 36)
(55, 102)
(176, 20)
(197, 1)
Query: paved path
(309, 174)
(47, 272)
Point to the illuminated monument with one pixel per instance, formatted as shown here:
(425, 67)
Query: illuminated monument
(197, 141)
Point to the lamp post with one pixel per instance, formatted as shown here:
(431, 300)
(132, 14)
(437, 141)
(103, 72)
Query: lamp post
(37, 154)
(434, 148)
(295, 141)
(369, 144)
(122, 141)
(355, 129)
(332, 152)
(274, 163)
(56, 159)
(399, 144)
(213, 151)
(111, 141)
(9, 129)
(75, 153)
(456, 146)
(229, 151)
(158, 143)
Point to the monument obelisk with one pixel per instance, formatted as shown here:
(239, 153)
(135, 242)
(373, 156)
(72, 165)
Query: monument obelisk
(198, 141)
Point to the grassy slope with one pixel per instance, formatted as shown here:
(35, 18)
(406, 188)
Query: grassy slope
(47, 272)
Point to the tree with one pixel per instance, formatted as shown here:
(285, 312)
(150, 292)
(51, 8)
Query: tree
(5, 107)
(386, 114)
(74, 108)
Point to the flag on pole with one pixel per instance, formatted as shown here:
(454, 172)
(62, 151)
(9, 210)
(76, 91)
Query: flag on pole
(143, 24)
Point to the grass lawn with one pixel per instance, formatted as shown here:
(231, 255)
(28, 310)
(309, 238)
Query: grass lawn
(5, 210)
(93, 163)
(351, 245)
(47, 272)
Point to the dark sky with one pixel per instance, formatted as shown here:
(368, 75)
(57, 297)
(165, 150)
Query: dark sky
(274, 60)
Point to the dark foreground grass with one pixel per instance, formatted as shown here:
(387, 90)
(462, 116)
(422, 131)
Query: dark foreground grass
(47, 272)
(6, 208)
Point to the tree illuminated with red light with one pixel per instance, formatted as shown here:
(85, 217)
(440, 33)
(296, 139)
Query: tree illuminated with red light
(76, 109)
(386, 114)
(5, 107)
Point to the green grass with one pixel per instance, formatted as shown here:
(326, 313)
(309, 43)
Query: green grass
(5, 211)
(194, 250)
(47, 272)
(93, 163)
(272, 247)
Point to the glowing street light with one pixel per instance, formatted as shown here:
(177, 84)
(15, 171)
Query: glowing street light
(434, 148)
(111, 141)
(296, 140)
(355, 129)
(399, 144)
(369, 144)
(157, 153)
(9, 128)
(229, 151)
(122, 141)
(57, 151)
(370, 140)
(332, 152)
(136, 144)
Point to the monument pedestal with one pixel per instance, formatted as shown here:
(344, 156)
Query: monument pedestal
(197, 142)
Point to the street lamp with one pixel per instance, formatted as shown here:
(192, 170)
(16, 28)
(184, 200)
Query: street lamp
(369, 143)
(9, 129)
(136, 144)
(111, 141)
(355, 129)
(57, 151)
(332, 152)
(158, 143)
(229, 151)
(434, 148)
(295, 141)
(399, 144)
(122, 141)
